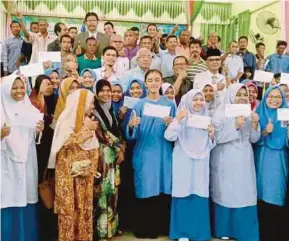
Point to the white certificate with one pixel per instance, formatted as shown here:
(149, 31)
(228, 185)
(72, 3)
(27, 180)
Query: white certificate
(235, 110)
(156, 110)
(49, 56)
(263, 76)
(27, 119)
(283, 114)
(198, 121)
(32, 69)
(284, 79)
(130, 102)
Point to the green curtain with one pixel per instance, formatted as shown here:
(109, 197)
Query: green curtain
(222, 10)
(244, 23)
(224, 31)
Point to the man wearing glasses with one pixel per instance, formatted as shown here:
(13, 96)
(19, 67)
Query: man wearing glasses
(212, 76)
(91, 21)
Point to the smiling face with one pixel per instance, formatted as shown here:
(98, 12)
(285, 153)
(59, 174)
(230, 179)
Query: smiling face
(116, 93)
(170, 93)
(18, 90)
(274, 99)
(105, 94)
(242, 97)
(135, 90)
(47, 87)
(209, 93)
(91, 23)
(253, 94)
(198, 103)
(153, 82)
(87, 79)
(109, 57)
(55, 79)
(73, 87)
(285, 89)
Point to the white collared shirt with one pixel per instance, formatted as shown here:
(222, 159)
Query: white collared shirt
(235, 65)
(39, 44)
(121, 66)
(90, 34)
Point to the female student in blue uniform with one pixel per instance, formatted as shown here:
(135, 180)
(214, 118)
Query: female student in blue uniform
(190, 218)
(152, 161)
(232, 171)
(127, 199)
(272, 166)
(117, 97)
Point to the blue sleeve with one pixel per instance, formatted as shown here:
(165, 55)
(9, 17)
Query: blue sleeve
(254, 64)
(132, 133)
(225, 131)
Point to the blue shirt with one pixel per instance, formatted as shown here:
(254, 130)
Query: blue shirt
(276, 63)
(249, 60)
(136, 73)
(11, 52)
(167, 63)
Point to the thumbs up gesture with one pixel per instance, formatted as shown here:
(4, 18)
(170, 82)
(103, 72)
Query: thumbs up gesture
(5, 131)
(270, 127)
(134, 121)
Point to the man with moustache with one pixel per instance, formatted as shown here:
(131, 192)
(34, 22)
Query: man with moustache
(91, 21)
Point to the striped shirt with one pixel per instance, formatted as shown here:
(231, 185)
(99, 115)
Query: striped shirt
(196, 68)
(11, 52)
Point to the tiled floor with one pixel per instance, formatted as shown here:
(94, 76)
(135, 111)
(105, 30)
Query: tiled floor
(130, 237)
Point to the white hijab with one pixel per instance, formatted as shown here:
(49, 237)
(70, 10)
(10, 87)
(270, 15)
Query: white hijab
(165, 87)
(66, 124)
(194, 141)
(16, 144)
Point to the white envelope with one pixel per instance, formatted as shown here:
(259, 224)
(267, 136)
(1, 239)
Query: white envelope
(283, 114)
(27, 119)
(130, 101)
(235, 110)
(32, 69)
(197, 121)
(263, 76)
(156, 110)
(49, 56)
(284, 79)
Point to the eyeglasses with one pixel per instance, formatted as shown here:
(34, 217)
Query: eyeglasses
(180, 64)
(272, 97)
(214, 60)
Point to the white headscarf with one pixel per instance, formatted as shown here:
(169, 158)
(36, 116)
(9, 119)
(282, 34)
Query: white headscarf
(16, 144)
(165, 87)
(194, 141)
(66, 125)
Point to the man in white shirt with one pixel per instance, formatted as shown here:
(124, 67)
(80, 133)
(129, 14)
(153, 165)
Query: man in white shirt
(91, 21)
(233, 64)
(147, 42)
(212, 76)
(122, 62)
(39, 41)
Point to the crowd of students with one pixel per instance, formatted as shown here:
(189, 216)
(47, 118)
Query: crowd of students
(116, 168)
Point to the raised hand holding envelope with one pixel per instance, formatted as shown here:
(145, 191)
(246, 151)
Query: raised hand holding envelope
(283, 114)
(263, 76)
(284, 79)
(130, 101)
(156, 110)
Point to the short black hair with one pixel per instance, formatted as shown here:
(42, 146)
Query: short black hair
(91, 14)
(243, 37)
(109, 23)
(152, 24)
(153, 71)
(171, 36)
(109, 48)
(281, 42)
(73, 28)
(145, 37)
(135, 29)
(14, 22)
(277, 75)
(90, 38)
(259, 44)
(196, 41)
(57, 28)
(66, 36)
(33, 23)
(164, 35)
(180, 57)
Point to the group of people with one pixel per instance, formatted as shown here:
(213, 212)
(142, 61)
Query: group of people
(144, 167)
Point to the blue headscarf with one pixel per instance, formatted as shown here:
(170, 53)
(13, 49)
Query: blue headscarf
(48, 72)
(117, 105)
(277, 139)
(126, 116)
(93, 75)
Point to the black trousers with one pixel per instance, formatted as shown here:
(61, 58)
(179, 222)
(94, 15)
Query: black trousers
(272, 222)
(153, 216)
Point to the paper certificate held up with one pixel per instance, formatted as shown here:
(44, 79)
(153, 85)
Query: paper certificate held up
(263, 76)
(32, 69)
(50, 56)
(156, 110)
(235, 110)
(130, 102)
(284, 79)
(283, 114)
(198, 121)
(27, 119)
